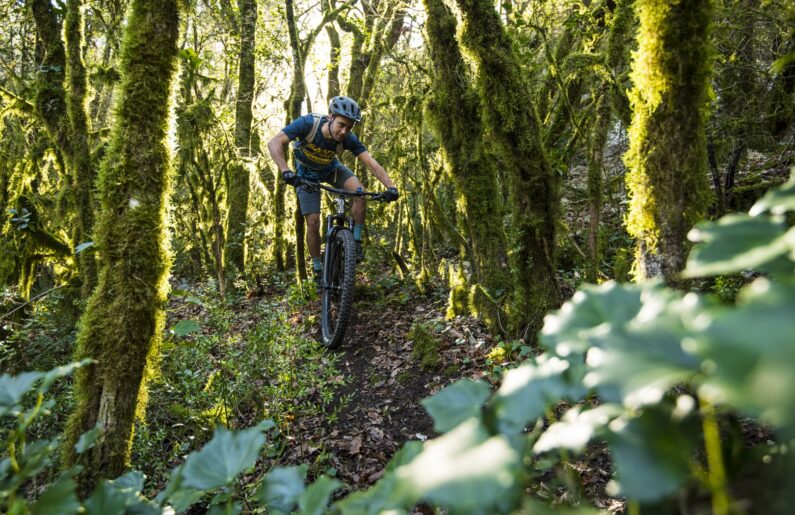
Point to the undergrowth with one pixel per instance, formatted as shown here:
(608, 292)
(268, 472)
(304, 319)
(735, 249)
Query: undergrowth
(233, 364)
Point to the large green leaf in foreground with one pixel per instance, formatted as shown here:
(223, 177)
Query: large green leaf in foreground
(223, 458)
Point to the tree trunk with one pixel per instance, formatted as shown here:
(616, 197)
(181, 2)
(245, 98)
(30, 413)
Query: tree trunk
(455, 118)
(297, 93)
(615, 53)
(668, 180)
(50, 94)
(123, 322)
(335, 50)
(80, 161)
(783, 98)
(238, 188)
(533, 185)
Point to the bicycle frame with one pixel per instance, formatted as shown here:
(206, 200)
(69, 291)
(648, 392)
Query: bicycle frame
(339, 267)
(340, 219)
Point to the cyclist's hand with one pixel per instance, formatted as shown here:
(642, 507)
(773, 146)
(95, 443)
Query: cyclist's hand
(391, 194)
(290, 178)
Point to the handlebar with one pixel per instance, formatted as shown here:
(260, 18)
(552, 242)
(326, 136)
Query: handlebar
(372, 195)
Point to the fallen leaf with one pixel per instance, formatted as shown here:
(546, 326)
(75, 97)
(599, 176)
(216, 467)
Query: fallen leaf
(356, 445)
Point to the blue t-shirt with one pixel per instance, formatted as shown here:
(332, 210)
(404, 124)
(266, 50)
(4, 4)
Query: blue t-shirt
(318, 157)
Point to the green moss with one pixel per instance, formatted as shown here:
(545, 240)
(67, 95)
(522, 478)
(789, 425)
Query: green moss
(454, 114)
(123, 322)
(486, 308)
(458, 301)
(533, 185)
(81, 167)
(622, 264)
(237, 204)
(375, 379)
(667, 178)
(451, 371)
(403, 377)
(426, 345)
(50, 92)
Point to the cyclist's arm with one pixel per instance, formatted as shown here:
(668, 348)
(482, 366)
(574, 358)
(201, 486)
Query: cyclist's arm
(276, 149)
(375, 167)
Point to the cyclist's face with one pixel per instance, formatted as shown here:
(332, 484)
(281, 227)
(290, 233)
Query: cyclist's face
(339, 127)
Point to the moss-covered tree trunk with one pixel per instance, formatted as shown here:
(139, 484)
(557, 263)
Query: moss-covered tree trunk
(455, 117)
(335, 49)
(783, 98)
(238, 187)
(123, 322)
(615, 53)
(667, 180)
(80, 160)
(50, 92)
(63, 113)
(533, 185)
(297, 93)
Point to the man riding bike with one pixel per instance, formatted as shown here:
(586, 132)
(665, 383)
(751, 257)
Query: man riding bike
(319, 141)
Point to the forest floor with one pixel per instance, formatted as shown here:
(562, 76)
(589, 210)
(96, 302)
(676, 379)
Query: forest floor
(387, 375)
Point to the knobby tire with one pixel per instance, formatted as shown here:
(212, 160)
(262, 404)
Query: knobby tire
(339, 274)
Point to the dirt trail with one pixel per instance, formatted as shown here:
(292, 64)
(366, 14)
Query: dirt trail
(384, 384)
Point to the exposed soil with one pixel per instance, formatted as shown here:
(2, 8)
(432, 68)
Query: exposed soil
(380, 402)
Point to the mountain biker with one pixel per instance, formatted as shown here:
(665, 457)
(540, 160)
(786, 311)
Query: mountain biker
(319, 141)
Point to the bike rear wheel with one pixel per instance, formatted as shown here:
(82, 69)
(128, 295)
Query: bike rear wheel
(339, 274)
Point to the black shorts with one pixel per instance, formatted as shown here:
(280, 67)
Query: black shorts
(310, 200)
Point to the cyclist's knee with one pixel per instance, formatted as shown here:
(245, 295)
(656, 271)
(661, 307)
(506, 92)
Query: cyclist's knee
(313, 221)
(352, 184)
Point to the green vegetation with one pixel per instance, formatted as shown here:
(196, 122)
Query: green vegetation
(656, 339)
(550, 158)
(426, 345)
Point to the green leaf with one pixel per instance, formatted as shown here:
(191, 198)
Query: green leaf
(58, 372)
(121, 496)
(189, 297)
(526, 391)
(778, 200)
(456, 403)
(466, 469)
(652, 454)
(749, 351)
(185, 327)
(735, 243)
(36, 457)
(222, 509)
(59, 499)
(132, 480)
(224, 457)
(576, 428)
(87, 440)
(107, 499)
(13, 388)
(179, 497)
(314, 500)
(282, 487)
(569, 329)
(638, 362)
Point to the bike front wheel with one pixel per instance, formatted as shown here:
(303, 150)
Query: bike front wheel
(339, 274)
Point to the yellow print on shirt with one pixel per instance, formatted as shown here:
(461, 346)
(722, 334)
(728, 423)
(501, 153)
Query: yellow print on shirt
(317, 155)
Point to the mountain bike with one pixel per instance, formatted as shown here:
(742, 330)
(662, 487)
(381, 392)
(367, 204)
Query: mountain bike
(339, 265)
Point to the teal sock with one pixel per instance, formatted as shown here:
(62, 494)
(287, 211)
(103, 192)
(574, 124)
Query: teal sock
(317, 264)
(357, 232)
